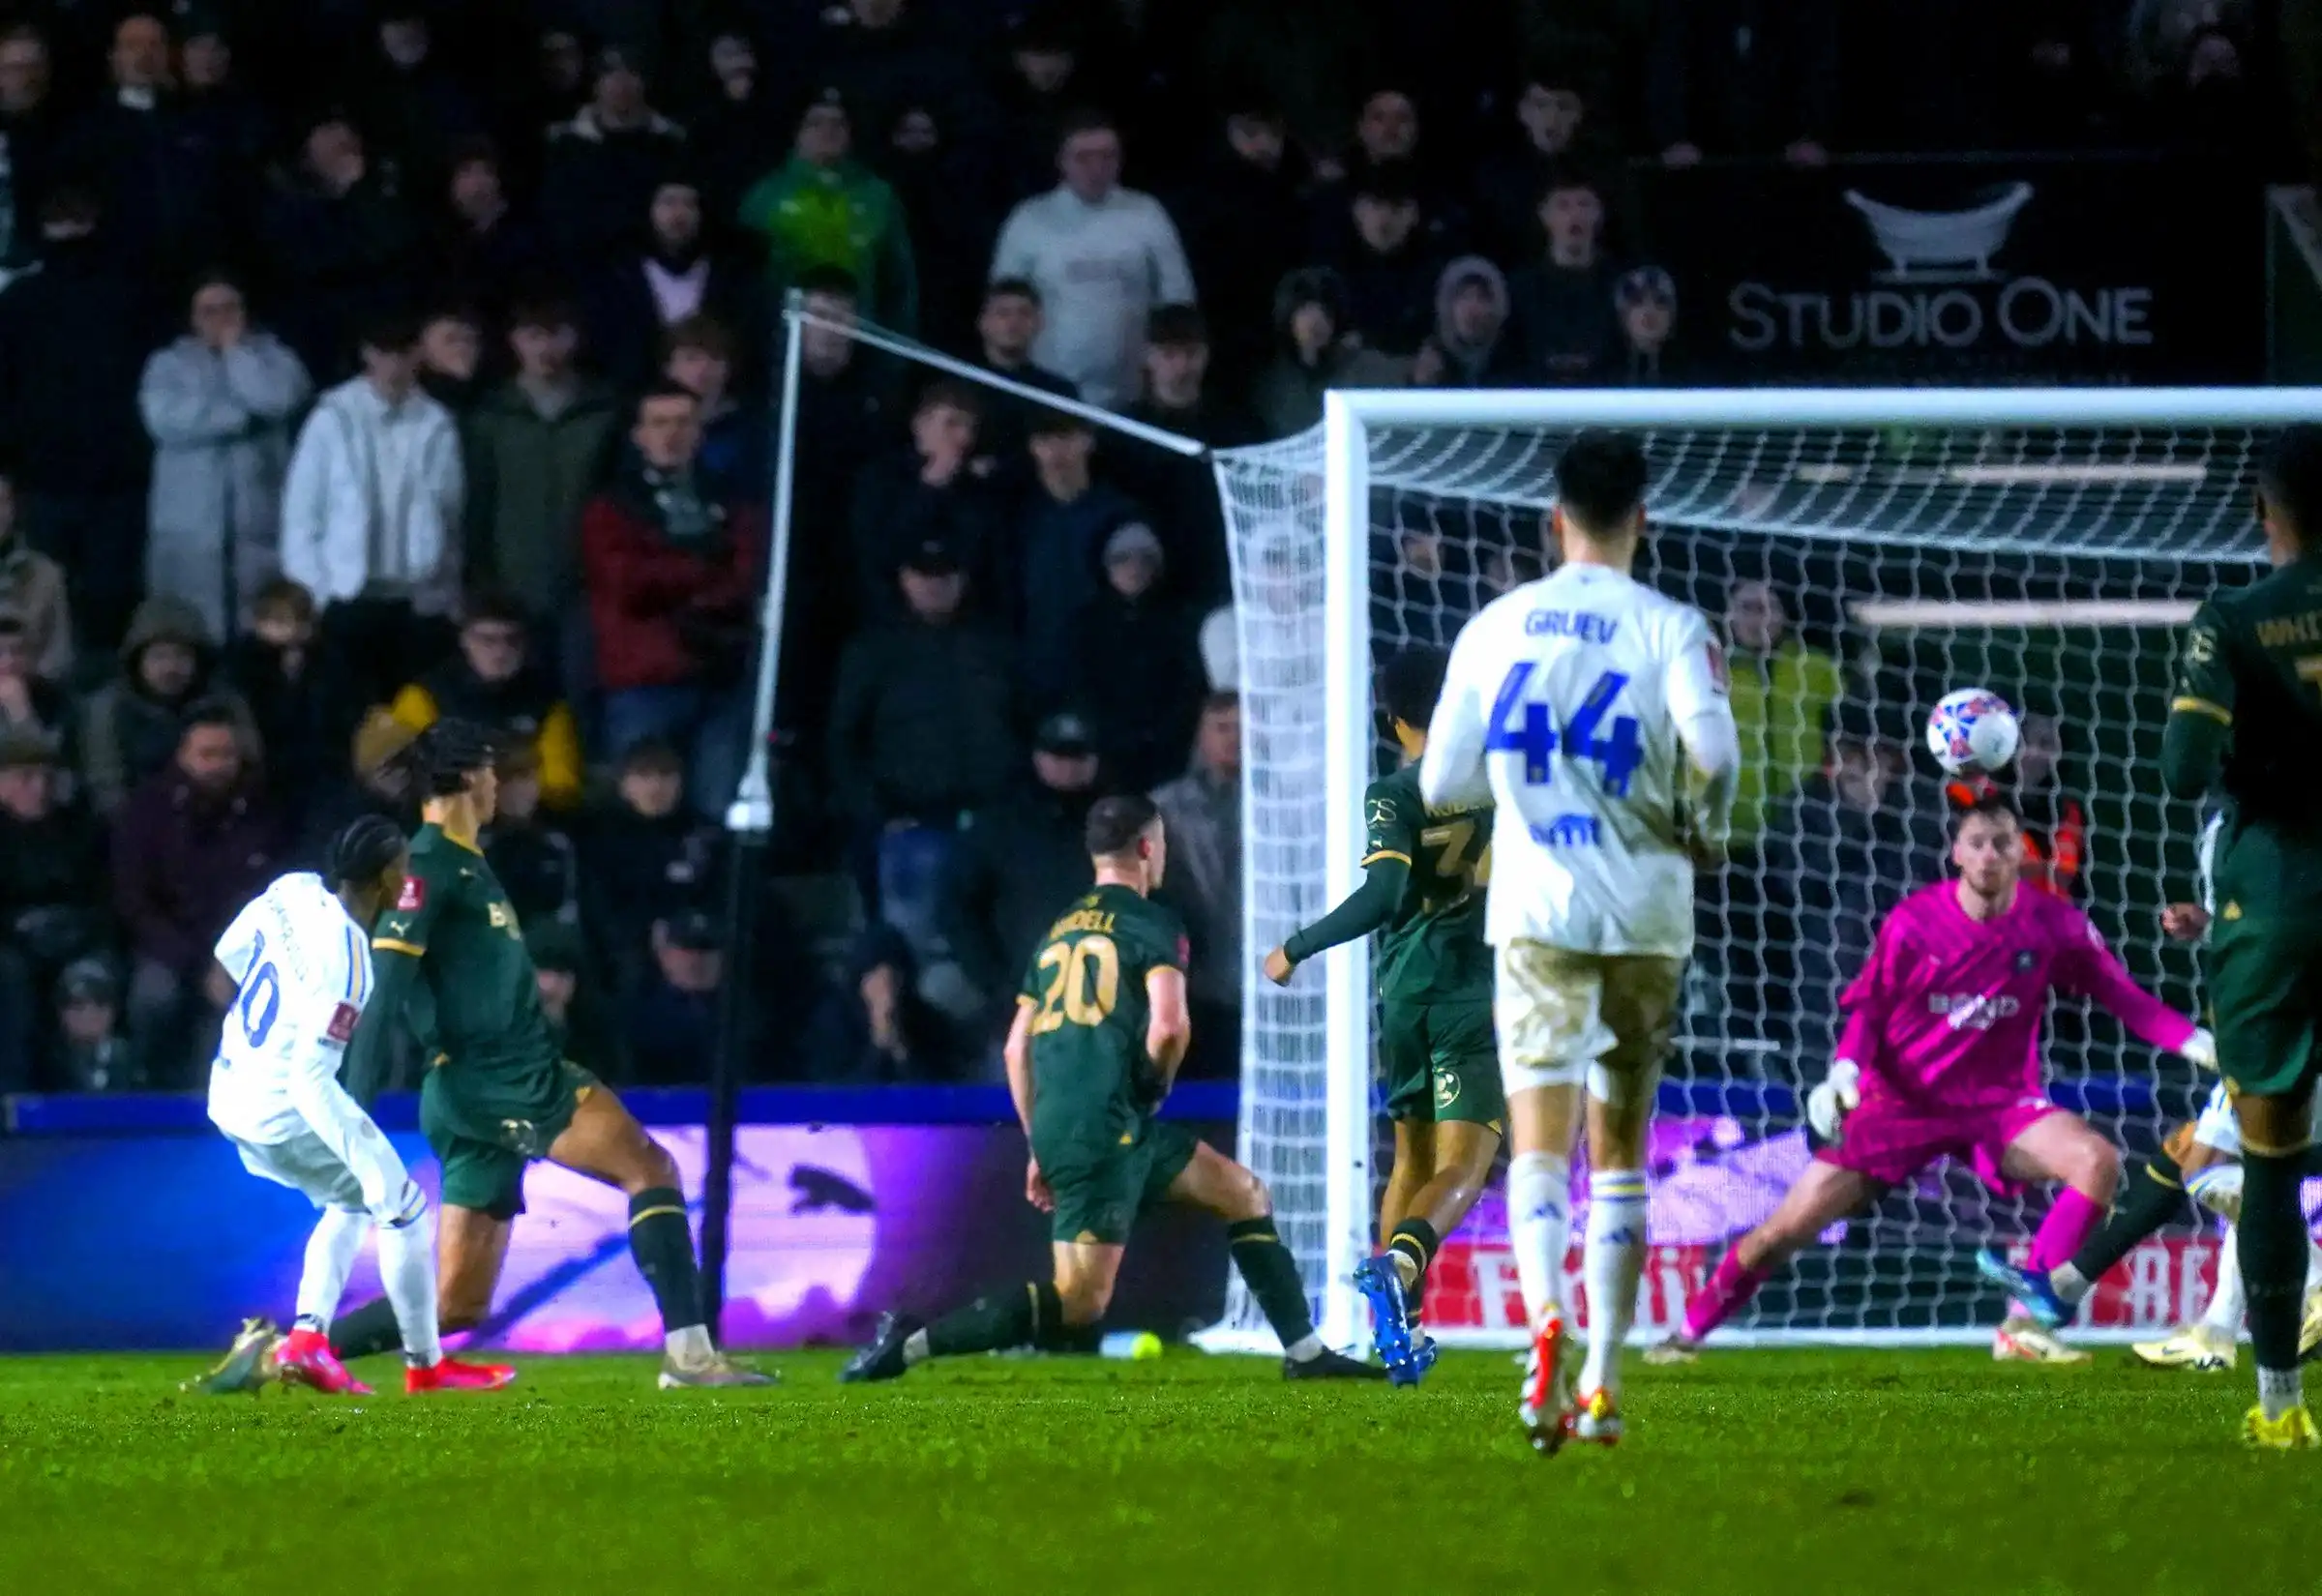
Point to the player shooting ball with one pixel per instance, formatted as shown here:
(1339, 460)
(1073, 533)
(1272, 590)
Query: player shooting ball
(1941, 1058)
(1424, 877)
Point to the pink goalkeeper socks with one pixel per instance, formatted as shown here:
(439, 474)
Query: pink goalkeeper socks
(2072, 1217)
(1729, 1286)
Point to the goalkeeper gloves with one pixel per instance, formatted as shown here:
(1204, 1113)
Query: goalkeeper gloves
(1829, 1104)
(2200, 1048)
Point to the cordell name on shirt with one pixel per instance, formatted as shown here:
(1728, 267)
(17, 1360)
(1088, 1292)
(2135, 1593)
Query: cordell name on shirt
(1570, 623)
(1973, 1011)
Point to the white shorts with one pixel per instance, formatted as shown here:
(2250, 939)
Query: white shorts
(375, 1183)
(2219, 1130)
(1569, 1019)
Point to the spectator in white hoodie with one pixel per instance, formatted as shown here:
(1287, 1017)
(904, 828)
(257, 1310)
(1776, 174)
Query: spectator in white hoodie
(1102, 256)
(370, 514)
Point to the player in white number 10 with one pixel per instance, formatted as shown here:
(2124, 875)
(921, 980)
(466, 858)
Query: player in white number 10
(300, 958)
(1594, 711)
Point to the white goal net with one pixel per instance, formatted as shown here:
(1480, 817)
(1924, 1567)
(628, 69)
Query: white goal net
(1861, 553)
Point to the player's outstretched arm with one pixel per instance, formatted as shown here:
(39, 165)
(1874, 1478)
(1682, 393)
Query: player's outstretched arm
(2200, 723)
(2088, 969)
(1389, 836)
(396, 974)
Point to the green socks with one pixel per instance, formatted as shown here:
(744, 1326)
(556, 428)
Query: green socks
(2152, 1195)
(2273, 1232)
(369, 1329)
(1273, 1276)
(662, 1245)
(997, 1322)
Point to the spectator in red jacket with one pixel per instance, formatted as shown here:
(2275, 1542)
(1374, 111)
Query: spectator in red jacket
(194, 843)
(673, 578)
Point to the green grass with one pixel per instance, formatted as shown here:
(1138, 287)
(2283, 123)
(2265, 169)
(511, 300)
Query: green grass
(1791, 1472)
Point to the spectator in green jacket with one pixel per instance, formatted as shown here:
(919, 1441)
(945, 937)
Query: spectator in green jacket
(822, 208)
(1782, 693)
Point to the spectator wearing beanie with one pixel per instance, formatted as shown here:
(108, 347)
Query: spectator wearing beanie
(372, 512)
(669, 276)
(32, 589)
(674, 574)
(535, 449)
(1318, 351)
(130, 726)
(1469, 347)
(1102, 257)
(824, 208)
(1136, 671)
(604, 164)
(217, 403)
(493, 681)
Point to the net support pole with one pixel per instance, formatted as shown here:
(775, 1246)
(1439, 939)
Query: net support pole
(749, 830)
(1347, 738)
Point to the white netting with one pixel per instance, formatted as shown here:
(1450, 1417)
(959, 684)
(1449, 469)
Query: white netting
(2052, 564)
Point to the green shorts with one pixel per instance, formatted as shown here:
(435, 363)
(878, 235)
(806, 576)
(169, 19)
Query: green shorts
(1441, 1062)
(1100, 1191)
(2264, 984)
(484, 1129)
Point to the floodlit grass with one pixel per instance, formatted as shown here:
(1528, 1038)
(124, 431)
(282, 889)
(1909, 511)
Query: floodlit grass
(1781, 1472)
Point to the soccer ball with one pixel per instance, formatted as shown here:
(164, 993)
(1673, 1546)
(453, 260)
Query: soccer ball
(1971, 729)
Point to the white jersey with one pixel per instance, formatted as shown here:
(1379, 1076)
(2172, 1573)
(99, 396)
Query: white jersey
(302, 969)
(1566, 697)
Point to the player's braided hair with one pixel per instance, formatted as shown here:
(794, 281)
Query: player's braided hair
(441, 758)
(368, 845)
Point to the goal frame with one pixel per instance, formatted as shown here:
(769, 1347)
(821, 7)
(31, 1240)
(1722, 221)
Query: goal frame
(1348, 418)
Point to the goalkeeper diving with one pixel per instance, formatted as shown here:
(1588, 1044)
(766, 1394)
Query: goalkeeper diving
(1424, 871)
(1941, 1058)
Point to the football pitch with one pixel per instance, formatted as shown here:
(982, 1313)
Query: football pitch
(1754, 1471)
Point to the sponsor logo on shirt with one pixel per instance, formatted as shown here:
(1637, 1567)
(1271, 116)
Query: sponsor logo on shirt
(1567, 831)
(2025, 958)
(1973, 1011)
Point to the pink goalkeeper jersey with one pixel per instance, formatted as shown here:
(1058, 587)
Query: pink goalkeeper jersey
(1947, 1012)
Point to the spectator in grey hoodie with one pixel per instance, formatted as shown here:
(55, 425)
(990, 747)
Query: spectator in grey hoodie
(1467, 348)
(1102, 256)
(219, 402)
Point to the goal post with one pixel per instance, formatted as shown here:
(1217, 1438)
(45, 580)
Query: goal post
(2044, 542)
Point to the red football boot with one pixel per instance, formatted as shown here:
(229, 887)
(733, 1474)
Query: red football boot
(305, 1359)
(451, 1374)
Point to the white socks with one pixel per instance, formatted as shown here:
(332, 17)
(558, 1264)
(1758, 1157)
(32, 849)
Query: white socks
(2227, 1304)
(1611, 1263)
(408, 1270)
(2279, 1390)
(330, 1259)
(690, 1344)
(1305, 1350)
(1539, 1227)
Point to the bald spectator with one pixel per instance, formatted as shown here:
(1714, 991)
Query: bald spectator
(1782, 694)
(1102, 257)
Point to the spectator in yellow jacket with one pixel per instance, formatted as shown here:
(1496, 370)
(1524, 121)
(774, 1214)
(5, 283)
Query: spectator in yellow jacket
(1782, 693)
(493, 681)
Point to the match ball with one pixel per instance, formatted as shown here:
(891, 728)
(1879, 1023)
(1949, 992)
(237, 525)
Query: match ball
(1971, 729)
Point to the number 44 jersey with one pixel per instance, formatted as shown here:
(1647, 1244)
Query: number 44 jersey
(1567, 699)
(302, 970)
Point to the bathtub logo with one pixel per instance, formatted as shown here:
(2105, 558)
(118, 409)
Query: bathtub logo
(1941, 289)
(1941, 245)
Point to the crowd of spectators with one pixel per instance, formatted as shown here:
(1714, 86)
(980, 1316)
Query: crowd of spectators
(365, 362)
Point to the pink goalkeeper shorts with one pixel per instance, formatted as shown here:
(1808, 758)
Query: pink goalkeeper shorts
(1889, 1143)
